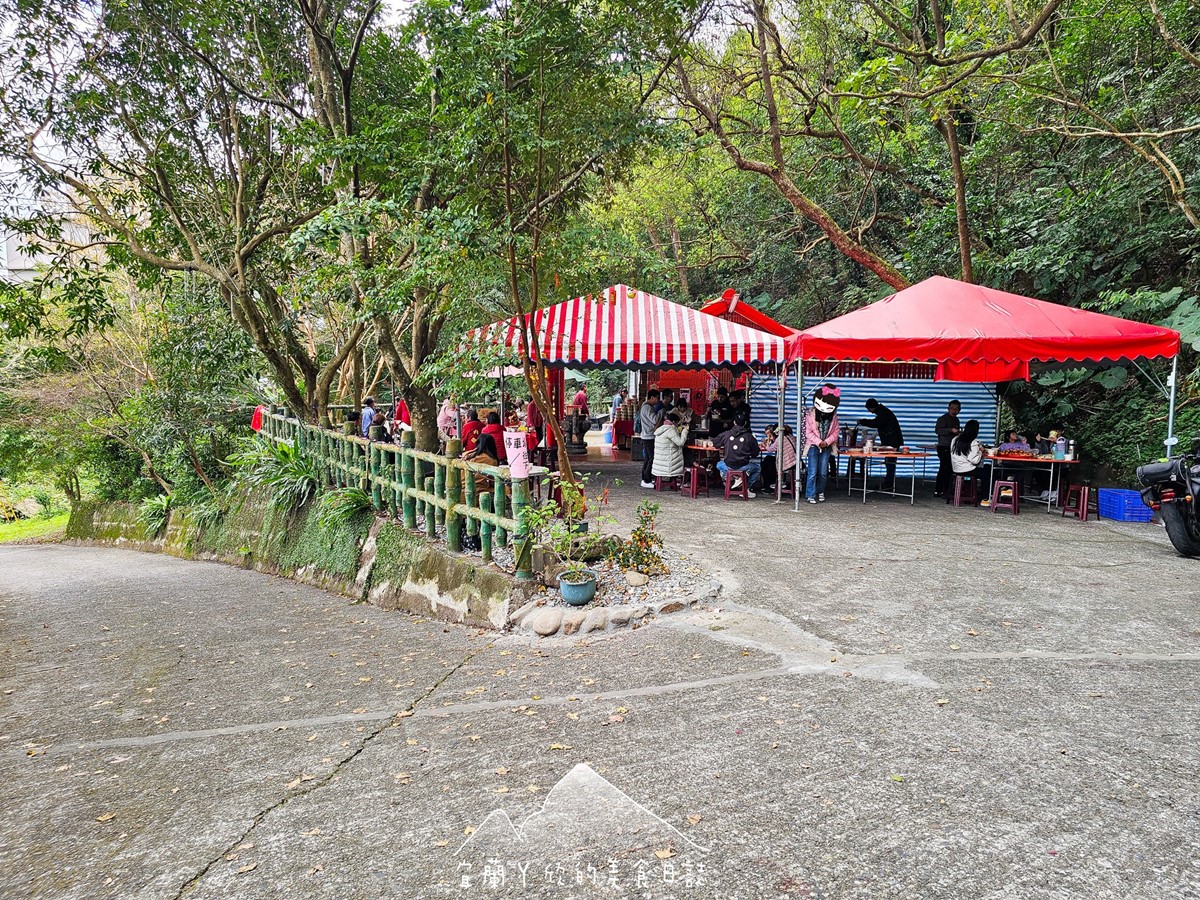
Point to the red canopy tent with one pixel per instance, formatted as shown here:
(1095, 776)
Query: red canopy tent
(731, 306)
(624, 328)
(976, 333)
(979, 334)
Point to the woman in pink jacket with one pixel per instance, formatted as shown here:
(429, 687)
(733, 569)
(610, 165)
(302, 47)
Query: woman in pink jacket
(820, 439)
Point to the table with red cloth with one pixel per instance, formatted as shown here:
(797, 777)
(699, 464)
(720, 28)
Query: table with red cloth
(623, 433)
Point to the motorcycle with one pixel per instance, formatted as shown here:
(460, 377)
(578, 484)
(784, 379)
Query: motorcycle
(1171, 488)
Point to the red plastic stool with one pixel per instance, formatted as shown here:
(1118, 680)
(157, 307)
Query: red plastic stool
(666, 484)
(1014, 498)
(961, 494)
(695, 481)
(743, 490)
(788, 480)
(1081, 494)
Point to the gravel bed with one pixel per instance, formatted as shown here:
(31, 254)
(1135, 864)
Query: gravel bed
(685, 577)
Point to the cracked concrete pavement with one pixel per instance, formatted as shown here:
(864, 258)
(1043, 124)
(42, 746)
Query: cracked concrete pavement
(887, 702)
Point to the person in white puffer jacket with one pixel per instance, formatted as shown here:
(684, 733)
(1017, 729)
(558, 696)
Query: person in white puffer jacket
(669, 441)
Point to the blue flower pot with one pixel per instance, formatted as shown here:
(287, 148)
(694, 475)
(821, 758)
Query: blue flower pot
(578, 593)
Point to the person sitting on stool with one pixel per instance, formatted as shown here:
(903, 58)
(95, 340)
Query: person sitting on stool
(966, 453)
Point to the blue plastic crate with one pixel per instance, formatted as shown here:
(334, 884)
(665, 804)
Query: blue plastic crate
(1122, 505)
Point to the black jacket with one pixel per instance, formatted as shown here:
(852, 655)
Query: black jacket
(886, 424)
(740, 446)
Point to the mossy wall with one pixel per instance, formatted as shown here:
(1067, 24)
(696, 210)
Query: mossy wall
(115, 523)
(410, 574)
(365, 559)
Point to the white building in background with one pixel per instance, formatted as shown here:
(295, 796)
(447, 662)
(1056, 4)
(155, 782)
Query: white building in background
(15, 264)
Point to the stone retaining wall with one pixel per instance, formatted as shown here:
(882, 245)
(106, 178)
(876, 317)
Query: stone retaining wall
(366, 559)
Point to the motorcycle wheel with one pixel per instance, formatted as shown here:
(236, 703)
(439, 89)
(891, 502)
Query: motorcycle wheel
(1182, 528)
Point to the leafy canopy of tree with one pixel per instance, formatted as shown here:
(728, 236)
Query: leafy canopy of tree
(306, 195)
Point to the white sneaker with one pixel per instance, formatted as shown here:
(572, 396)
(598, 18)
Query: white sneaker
(648, 484)
(735, 484)
(812, 499)
(820, 498)
(751, 494)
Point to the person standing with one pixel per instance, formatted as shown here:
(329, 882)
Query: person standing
(820, 439)
(617, 402)
(367, 416)
(946, 428)
(739, 409)
(719, 418)
(580, 402)
(447, 420)
(649, 418)
(534, 420)
(885, 422)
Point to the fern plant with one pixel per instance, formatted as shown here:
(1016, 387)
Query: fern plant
(291, 477)
(340, 507)
(154, 512)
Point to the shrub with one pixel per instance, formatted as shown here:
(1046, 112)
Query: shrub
(154, 512)
(291, 477)
(340, 507)
(642, 552)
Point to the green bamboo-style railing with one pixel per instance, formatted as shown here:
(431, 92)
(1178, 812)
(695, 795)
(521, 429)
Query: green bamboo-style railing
(404, 481)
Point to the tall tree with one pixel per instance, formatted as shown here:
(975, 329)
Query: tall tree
(182, 139)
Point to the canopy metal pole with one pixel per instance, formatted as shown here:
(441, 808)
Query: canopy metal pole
(781, 389)
(996, 388)
(1171, 439)
(799, 428)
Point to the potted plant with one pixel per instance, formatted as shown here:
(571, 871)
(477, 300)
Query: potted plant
(570, 539)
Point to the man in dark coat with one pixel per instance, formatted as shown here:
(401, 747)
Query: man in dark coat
(946, 428)
(884, 421)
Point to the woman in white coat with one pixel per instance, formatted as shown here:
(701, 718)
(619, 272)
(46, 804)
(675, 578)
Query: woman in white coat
(669, 441)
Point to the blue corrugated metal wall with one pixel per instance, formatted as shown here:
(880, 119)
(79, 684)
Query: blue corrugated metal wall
(916, 403)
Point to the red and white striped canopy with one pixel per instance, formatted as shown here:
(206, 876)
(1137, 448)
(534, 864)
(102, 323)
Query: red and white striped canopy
(622, 327)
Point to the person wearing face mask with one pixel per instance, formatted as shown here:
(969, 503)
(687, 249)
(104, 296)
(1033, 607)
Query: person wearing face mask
(820, 439)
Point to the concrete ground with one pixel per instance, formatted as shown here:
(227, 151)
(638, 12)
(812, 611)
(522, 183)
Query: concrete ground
(891, 701)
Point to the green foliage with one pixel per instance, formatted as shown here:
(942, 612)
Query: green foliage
(286, 474)
(153, 513)
(40, 529)
(570, 532)
(312, 540)
(643, 551)
(339, 507)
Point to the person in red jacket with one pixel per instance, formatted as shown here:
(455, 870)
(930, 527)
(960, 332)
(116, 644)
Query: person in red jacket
(471, 431)
(496, 430)
(534, 420)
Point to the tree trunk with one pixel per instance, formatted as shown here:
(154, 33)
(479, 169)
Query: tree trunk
(949, 129)
(423, 408)
(680, 262)
(841, 240)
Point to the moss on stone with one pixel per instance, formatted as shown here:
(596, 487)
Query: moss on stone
(334, 549)
(81, 524)
(404, 569)
(396, 551)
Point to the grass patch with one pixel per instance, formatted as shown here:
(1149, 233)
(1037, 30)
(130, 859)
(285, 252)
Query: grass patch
(34, 529)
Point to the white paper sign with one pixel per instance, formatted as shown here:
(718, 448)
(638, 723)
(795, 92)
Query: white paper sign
(518, 454)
